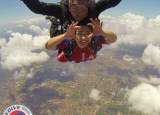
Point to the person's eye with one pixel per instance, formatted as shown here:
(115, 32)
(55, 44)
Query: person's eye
(73, 7)
(80, 34)
(84, 9)
(88, 33)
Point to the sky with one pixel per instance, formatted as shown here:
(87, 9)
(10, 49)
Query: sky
(135, 22)
(13, 10)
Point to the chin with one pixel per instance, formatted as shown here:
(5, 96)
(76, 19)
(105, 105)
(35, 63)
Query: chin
(82, 46)
(78, 19)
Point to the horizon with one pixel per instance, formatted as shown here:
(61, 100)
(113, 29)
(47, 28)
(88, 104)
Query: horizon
(16, 10)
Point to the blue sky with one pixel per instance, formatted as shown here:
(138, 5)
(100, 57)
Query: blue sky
(13, 10)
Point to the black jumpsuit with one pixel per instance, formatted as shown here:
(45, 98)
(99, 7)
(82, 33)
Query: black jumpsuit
(61, 13)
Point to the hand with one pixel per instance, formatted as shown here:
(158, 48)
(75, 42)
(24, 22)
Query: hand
(96, 26)
(70, 33)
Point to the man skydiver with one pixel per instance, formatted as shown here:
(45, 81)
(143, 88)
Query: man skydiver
(75, 10)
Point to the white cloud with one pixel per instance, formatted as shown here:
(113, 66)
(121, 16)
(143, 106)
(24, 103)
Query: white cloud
(151, 80)
(9, 31)
(94, 94)
(20, 60)
(38, 30)
(133, 29)
(23, 73)
(18, 51)
(127, 58)
(151, 56)
(145, 98)
(2, 41)
(30, 21)
(20, 26)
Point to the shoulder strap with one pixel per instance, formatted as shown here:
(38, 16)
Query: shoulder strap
(69, 50)
(58, 26)
(94, 46)
(65, 13)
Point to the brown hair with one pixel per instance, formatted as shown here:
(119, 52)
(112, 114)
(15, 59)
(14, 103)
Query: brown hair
(85, 24)
(89, 2)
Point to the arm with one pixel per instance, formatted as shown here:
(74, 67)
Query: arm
(70, 33)
(102, 5)
(110, 36)
(98, 31)
(38, 7)
(53, 42)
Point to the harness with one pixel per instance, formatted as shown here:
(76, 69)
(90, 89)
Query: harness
(67, 19)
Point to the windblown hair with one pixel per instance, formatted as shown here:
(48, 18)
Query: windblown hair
(85, 24)
(89, 2)
(70, 1)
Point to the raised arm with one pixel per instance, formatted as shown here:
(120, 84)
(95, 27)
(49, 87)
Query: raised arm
(102, 5)
(98, 31)
(53, 42)
(110, 36)
(70, 33)
(38, 7)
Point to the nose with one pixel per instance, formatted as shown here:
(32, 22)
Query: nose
(79, 12)
(83, 37)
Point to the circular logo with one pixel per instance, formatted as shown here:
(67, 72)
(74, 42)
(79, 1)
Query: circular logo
(17, 110)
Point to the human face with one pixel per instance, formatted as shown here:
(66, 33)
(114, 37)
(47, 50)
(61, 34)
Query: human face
(83, 36)
(78, 9)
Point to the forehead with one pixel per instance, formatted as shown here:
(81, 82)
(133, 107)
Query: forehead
(84, 28)
(80, 2)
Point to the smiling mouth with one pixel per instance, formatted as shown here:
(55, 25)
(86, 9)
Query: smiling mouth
(84, 42)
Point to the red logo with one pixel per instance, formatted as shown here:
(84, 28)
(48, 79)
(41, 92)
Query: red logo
(17, 110)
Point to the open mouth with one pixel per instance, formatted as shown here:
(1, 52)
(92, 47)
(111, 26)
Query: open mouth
(84, 42)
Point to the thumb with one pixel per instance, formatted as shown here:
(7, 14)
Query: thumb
(77, 27)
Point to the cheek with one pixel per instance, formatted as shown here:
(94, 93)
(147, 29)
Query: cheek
(73, 13)
(77, 38)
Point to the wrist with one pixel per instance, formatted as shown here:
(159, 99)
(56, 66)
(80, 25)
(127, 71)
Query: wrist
(64, 36)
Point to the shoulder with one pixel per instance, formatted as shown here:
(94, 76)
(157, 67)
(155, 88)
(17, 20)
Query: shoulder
(100, 39)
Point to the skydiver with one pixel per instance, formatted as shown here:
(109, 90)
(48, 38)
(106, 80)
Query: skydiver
(70, 11)
(80, 42)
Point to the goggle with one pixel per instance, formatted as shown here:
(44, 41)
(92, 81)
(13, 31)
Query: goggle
(81, 34)
(75, 7)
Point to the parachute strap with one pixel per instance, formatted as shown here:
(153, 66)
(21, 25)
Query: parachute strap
(69, 50)
(94, 46)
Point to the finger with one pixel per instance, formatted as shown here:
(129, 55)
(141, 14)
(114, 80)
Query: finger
(93, 22)
(75, 24)
(101, 24)
(77, 27)
(97, 22)
(90, 24)
(91, 35)
(70, 26)
(67, 28)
